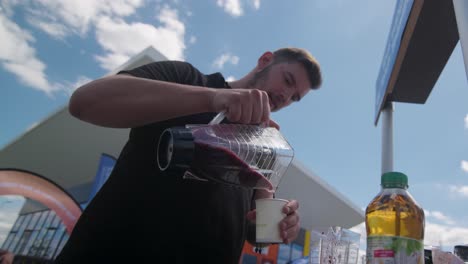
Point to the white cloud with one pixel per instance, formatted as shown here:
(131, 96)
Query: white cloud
(466, 121)
(464, 165)
(230, 79)
(446, 236)
(61, 18)
(17, 54)
(111, 60)
(224, 58)
(19, 57)
(80, 81)
(70, 87)
(232, 7)
(235, 7)
(78, 16)
(439, 216)
(460, 190)
(56, 30)
(256, 4)
(121, 40)
(7, 6)
(192, 40)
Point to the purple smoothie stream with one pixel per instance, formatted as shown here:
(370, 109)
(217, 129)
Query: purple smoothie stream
(222, 165)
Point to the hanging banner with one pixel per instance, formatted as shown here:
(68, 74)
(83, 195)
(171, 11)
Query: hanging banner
(106, 164)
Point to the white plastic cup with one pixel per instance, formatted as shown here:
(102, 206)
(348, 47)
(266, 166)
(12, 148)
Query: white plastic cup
(269, 215)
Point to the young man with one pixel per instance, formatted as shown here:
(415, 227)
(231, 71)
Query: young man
(142, 214)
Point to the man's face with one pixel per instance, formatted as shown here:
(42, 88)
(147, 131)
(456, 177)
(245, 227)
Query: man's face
(284, 83)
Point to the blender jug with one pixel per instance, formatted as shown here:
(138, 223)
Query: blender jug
(245, 155)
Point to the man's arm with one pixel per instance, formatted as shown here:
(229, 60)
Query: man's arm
(124, 101)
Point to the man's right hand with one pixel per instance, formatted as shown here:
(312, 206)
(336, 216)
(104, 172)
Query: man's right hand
(245, 106)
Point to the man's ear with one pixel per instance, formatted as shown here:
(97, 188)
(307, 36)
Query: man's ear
(265, 60)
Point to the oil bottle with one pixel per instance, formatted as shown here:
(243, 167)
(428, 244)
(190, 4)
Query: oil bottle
(394, 224)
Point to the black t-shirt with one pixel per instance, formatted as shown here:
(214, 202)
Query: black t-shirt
(144, 215)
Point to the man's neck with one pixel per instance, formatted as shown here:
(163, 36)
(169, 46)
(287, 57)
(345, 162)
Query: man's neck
(241, 83)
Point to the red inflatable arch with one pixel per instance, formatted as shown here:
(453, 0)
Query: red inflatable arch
(36, 187)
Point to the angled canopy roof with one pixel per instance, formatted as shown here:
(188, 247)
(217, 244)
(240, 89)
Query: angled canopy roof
(428, 40)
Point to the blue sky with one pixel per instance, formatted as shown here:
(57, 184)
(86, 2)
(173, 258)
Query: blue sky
(50, 47)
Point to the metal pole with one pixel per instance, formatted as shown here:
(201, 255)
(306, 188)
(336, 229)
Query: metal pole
(461, 14)
(387, 138)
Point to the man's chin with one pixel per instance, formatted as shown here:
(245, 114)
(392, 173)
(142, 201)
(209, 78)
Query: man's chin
(272, 107)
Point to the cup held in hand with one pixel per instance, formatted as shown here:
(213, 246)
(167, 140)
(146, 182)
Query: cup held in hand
(269, 215)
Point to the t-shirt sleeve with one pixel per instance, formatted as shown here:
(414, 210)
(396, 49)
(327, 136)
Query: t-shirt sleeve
(169, 71)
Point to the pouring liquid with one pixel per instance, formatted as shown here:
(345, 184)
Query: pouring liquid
(222, 165)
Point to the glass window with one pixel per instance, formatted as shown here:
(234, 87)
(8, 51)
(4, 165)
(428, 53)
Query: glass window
(33, 221)
(44, 252)
(55, 241)
(18, 222)
(36, 228)
(14, 242)
(49, 219)
(36, 247)
(30, 243)
(38, 219)
(6, 244)
(22, 227)
(40, 224)
(56, 220)
(62, 243)
(24, 240)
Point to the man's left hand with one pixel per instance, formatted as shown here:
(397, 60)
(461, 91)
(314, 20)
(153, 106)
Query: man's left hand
(290, 225)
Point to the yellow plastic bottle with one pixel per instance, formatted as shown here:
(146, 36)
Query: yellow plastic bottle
(394, 224)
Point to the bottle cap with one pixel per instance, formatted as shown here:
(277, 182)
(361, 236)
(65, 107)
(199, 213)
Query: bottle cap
(394, 180)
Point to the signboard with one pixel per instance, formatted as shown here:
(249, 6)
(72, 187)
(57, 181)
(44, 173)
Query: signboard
(400, 18)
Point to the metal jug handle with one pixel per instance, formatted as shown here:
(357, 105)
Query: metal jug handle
(218, 118)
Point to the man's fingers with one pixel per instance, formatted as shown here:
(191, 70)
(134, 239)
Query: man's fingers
(251, 215)
(272, 123)
(290, 234)
(291, 206)
(289, 221)
(266, 108)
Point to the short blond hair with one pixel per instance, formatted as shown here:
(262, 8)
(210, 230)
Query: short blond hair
(302, 56)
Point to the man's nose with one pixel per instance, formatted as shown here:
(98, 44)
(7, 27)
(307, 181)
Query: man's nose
(286, 95)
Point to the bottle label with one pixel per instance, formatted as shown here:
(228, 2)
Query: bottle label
(394, 250)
